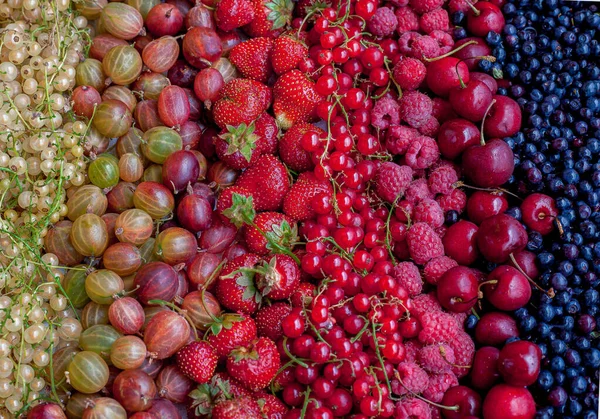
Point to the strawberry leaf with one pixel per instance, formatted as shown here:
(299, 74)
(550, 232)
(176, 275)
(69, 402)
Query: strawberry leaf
(241, 210)
(246, 281)
(282, 235)
(240, 139)
(281, 13)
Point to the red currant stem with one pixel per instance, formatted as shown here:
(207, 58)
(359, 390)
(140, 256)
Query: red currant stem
(387, 89)
(378, 355)
(550, 293)
(290, 356)
(305, 404)
(386, 62)
(482, 139)
(308, 16)
(439, 406)
(449, 53)
(361, 331)
(279, 371)
(179, 310)
(313, 328)
(344, 254)
(388, 233)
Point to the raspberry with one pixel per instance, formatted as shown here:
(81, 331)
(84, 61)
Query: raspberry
(407, 274)
(424, 6)
(435, 20)
(460, 5)
(436, 358)
(383, 23)
(454, 201)
(442, 110)
(386, 111)
(412, 348)
(413, 379)
(437, 267)
(406, 41)
(431, 127)
(428, 211)
(460, 318)
(399, 3)
(443, 39)
(464, 350)
(412, 408)
(398, 138)
(425, 47)
(422, 152)
(438, 385)
(415, 108)
(409, 73)
(417, 191)
(425, 303)
(423, 243)
(407, 20)
(391, 180)
(442, 179)
(438, 327)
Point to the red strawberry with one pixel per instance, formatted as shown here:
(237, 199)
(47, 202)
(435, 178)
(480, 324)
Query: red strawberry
(295, 99)
(268, 182)
(239, 408)
(231, 14)
(268, 320)
(198, 361)
(256, 365)
(270, 18)
(241, 101)
(268, 133)
(238, 146)
(270, 406)
(231, 331)
(278, 277)
(235, 287)
(235, 205)
(288, 52)
(297, 202)
(290, 148)
(278, 228)
(253, 58)
(220, 388)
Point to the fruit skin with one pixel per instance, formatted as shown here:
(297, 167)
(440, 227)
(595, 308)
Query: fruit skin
(241, 101)
(503, 119)
(455, 136)
(508, 402)
(297, 201)
(539, 212)
(240, 407)
(269, 318)
(294, 99)
(290, 147)
(238, 146)
(495, 328)
(288, 52)
(511, 291)
(519, 363)
(253, 58)
(457, 289)
(484, 370)
(231, 331)
(198, 361)
(231, 14)
(280, 229)
(499, 236)
(280, 279)
(270, 17)
(235, 289)
(483, 18)
(460, 242)
(256, 365)
(488, 165)
(267, 182)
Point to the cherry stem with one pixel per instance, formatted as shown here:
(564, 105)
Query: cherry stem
(439, 406)
(461, 184)
(550, 293)
(482, 141)
(490, 282)
(439, 57)
(476, 12)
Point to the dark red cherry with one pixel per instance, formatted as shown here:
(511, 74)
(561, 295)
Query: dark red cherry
(471, 100)
(499, 236)
(519, 363)
(495, 328)
(457, 289)
(455, 136)
(484, 17)
(508, 402)
(483, 204)
(467, 400)
(460, 242)
(484, 372)
(539, 212)
(446, 73)
(503, 119)
(488, 165)
(507, 289)
(526, 261)
(472, 53)
(490, 82)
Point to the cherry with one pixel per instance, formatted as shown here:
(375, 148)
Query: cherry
(471, 100)
(483, 204)
(519, 363)
(455, 136)
(484, 17)
(490, 164)
(484, 372)
(527, 262)
(508, 402)
(457, 289)
(489, 81)
(503, 119)
(539, 212)
(446, 73)
(495, 328)
(507, 289)
(466, 399)
(472, 53)
(499, 236)
(460, 242)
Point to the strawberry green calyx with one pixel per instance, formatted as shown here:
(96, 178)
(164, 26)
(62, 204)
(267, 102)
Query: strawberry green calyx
(242, 353)
(245, 279)
(206, 395)
(241, 139)
(241, 210)
(281, 12)
(270, 276)
(281, 236)
(225, 322)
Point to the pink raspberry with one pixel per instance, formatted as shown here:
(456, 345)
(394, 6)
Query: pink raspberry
(460, 5)
(413, 379)
(404, 211)
(442, 179)
(412, 408)
(425, 47)
(442, 110)
(424, 6)
(391, 180)
(407, 20)
(436, 358)
(386, 111)
(444, 41)
(431, 127)
(438, 385)
(399, 3)
(438, 327)
(409, 73)
(429, 211)
(417, 191)
(406, 42)
(422, 152)
(456, 200)
(412, 348)
(437, 267)
(425, 303)
(383, 23)
(435, 20)
(464, 351)
(423, 243)
(398, 138)
(460, 318)
(407, 275)
(415, 108)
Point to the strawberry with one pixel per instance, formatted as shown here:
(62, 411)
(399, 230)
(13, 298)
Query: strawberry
(268, 133)
(231, 331)
(198, 361)
(241, 101)
(238, 146)
(270, 18)
(268, 320)
(221, 387)
(295, 99)
(270, 226)
(270, 406)
(255, 365)
(290, 147)
(288, 52)
(253, 58)
(235, 205)
(244, 407)
(297, 202)
(278, 277)
(267, 181)
(235, 287)
(231, 14)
